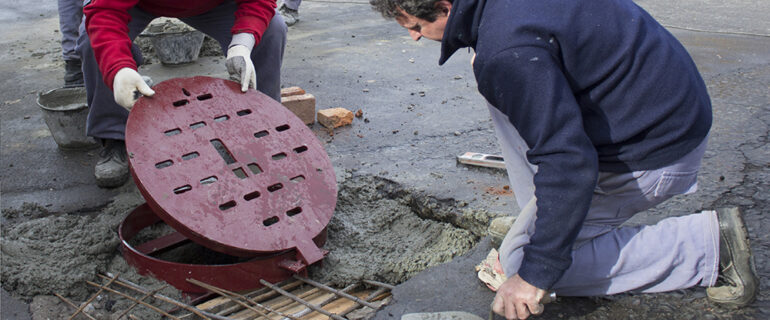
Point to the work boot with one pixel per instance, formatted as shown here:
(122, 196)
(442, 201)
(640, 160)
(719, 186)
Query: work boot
(73, 74)
(498, 228)
(112, 169)
(737, 284)
(291, 16)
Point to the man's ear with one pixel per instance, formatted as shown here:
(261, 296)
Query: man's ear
(444, 6)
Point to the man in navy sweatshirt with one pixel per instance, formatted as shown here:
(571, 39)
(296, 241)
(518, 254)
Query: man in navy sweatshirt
(601, 114)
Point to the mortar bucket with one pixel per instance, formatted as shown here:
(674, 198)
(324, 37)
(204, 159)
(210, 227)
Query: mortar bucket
(177, 47)
(65, 111)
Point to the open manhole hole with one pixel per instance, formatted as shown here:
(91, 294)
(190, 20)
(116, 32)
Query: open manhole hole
(187, 251)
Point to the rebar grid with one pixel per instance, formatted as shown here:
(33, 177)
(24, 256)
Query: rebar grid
(249, 302)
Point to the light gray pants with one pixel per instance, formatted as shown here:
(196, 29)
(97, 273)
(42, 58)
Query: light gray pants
(107, 119)
(70, 17)
(292, 4)
(676, 253)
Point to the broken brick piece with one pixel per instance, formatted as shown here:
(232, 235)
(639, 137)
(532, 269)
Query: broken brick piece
(359, 113)
(292, 91)
(302, 105)
(335, 117)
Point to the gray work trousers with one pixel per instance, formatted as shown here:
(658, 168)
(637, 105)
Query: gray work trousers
(107, 119)
(675, 253)
(70, 17)
(292, 4)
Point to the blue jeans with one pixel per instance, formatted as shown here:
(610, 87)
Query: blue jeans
(676, 253)
(107, 119)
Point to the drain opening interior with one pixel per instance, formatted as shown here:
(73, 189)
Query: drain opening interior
(187, 251)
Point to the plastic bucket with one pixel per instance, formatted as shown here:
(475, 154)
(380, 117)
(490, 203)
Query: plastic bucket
(177, 47)
(65, 111)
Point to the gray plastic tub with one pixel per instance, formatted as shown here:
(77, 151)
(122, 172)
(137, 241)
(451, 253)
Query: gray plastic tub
(65, 112)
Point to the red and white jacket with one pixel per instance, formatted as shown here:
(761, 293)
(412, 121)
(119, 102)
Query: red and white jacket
(107, 25)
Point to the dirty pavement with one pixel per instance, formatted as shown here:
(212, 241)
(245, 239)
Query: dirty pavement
(407, 213)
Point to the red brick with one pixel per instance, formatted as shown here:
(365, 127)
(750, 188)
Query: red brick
(335, 117)
(302, 105)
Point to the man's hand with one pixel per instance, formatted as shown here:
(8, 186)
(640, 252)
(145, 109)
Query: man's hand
(240, 67)
(517, 299)
(127, 86)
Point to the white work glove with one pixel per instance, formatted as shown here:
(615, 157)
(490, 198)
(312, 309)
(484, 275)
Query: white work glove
(127, 87)
(240, 67)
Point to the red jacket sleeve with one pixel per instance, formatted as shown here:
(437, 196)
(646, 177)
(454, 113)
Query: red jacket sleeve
(253, 16)
(107, 27)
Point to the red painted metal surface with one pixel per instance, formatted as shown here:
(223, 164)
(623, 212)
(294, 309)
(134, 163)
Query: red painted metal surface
(234, 277)
(235, 172)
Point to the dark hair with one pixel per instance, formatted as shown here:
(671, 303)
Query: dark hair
(423, 9)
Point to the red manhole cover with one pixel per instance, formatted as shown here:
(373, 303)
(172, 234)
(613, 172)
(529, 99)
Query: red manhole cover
(235, 172)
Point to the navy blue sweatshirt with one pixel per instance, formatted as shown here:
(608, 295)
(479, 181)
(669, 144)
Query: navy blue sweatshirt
(591, 85)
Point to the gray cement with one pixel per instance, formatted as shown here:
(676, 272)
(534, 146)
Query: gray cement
(50, 253)
(379, 233)
(417, 118)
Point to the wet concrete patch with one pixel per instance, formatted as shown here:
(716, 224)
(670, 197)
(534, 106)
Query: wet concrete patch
(381, 231)
(57, 252)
